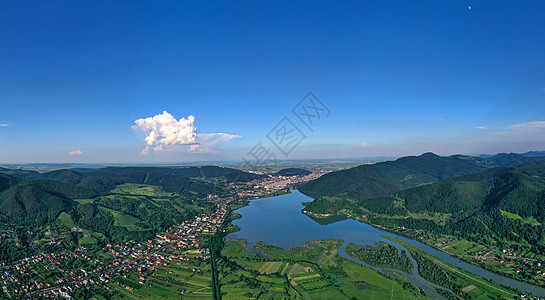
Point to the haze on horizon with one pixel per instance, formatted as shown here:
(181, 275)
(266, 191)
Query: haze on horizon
(148, 82)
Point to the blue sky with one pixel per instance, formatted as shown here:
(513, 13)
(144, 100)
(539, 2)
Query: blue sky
(399, 77)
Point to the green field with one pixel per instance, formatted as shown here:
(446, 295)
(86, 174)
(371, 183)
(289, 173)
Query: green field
(66, 219)
(269, 267)
(84, 201)
(173, 282)
(313, 271)
(127, 221)
(87, 239)
(140, 189)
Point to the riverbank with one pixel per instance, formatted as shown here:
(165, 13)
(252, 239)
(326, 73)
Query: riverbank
(456, 279)
(525, 267)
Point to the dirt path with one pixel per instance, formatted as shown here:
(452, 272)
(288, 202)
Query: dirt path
(307, 277)
(392, 293)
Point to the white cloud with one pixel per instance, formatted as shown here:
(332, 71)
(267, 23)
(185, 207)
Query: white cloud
(482, 127)
(5, 125)
(527, 125)
(164, 130)
(207, 141)
(366, 145)
(440, 120)
(524, 130)
(196, 148)
(75, 152)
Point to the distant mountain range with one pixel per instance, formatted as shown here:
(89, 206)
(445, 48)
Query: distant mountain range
(205, 172)
(534, 153)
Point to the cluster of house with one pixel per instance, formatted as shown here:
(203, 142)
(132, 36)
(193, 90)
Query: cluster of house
(522, 264)
(6, 235)
(17, 279)
(19, 274)
(186, 234)
(9, 235)
(526, 262)
(128, 256)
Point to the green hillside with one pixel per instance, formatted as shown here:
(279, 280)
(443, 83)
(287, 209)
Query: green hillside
(176, 180)
(37, 202)
(204, 172)
(122, 205)
(103, 182)
(31, 205)
(7, 181)
(506, 205)
(374, 180)
(514, 159)
(19, 173)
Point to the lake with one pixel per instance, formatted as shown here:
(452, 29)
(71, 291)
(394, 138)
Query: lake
(279, 221)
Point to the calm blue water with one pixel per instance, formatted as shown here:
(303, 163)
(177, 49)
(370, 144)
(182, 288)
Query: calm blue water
(279, 221)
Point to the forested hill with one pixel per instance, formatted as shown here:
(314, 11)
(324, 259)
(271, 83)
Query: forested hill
(175, 180)
(204, 172)
(373, 180)
(505, 204)
(514, 159)
(104, 201)
(7, 181)
(38, 202)
(103, 182)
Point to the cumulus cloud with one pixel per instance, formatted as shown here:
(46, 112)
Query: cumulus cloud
(75, 152)
(164, 130)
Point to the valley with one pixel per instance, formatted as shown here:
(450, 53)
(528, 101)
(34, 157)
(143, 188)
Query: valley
(209, 232)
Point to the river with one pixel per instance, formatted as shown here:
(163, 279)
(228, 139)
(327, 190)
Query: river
(279, 221)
